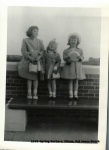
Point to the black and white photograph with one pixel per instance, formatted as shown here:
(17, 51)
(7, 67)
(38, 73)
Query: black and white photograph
(52, 88)
(53, 71)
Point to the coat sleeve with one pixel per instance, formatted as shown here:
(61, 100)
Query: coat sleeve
(42, 48)
(65, 55)
(43, 60)
(81, 55)
(58, 61)
(24, 51)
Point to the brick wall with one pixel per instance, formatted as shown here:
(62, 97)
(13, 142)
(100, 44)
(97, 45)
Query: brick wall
(88, 88)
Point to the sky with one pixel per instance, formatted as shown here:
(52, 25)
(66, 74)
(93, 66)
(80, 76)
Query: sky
(55, 23)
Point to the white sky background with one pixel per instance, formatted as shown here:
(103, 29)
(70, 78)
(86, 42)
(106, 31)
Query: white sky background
(55, 23)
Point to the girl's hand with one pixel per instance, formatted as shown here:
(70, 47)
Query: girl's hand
(79, 58)
(55, 68)
(31, 59)
(34, 63)
(68, 60)
(54, 60)
(37, 59)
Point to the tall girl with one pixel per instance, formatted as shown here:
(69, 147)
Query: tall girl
(51, 61)
(73, 70)
(32, 51)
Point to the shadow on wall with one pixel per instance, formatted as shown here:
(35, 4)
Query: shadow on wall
(14, 58)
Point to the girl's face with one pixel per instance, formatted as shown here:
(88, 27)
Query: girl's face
(53, 46)
(34, 33)
(73, 42)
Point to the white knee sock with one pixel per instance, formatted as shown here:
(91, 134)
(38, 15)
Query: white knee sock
(35, 92)
(50, 92)
(76, 93)
(71, 93)
(54, 94)
(29, 91)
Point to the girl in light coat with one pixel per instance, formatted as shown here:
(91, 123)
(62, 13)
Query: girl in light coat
(73, 69)
(32, 50)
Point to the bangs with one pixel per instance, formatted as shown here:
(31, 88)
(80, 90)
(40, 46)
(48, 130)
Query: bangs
(74, 37)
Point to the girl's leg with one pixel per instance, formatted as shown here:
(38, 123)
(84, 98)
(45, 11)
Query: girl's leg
(29, 86)
(76, 88)
(49, 88)
(35, 86)
(54, 87)
(70, 84)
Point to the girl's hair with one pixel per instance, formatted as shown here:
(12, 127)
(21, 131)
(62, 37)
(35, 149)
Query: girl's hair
(48, 48)
(52, 41)
(77, 41)
(74, 35)
(29, 31)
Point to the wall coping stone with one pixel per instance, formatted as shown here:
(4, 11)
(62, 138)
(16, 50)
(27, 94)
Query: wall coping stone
(12, 66)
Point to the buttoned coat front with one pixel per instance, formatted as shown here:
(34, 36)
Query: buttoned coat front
(73, 70)
(29, 45)
(51, 60)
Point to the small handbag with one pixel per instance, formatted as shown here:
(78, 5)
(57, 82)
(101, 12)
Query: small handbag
(33, 68)
(56, 75)
(38, 66)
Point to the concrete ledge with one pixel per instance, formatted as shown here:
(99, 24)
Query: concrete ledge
(12, 66)
(15, 120)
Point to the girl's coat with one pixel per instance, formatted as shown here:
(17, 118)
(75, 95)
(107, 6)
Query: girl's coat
(29, 47)
(49, 61)
(73, 70)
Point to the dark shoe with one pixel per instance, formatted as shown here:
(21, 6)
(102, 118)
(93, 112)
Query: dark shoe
(53, 102)
(76, 98)
(71, 98)
(50, 102)
(29, 101)
(70, 103)
(34, 102)
(53, 98)
(75, 103)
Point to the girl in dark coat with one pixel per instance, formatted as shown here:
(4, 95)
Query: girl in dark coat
(52, 62)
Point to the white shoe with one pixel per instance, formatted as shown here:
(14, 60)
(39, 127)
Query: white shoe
(50, 94)
(29, 96)
(35, 97)
(54, 95)
(70, 94)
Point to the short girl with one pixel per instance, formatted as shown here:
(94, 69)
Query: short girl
(73, 70)
(32, 51)
(52, 62)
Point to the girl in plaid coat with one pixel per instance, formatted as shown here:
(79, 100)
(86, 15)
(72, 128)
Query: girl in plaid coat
(51, 62)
